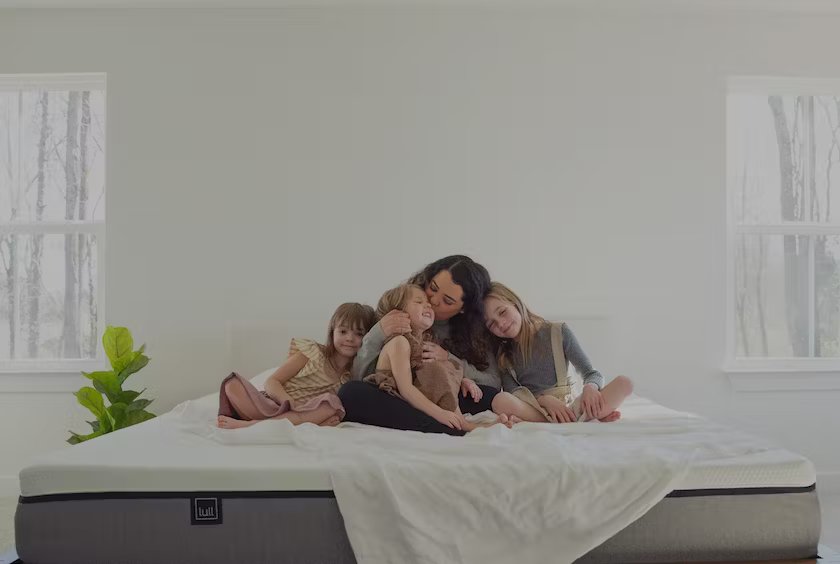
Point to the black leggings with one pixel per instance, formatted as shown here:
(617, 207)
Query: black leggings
(365, 403)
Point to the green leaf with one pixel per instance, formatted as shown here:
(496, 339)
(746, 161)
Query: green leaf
(93, 425)
(136, 364)
(135, 417)
(118, 413)
(117, 342)
(91, 399)
(76, 438)
(96, 375)
(106, 383)
(108, 421)
(128, 396)
(126, 359)
(138, 405)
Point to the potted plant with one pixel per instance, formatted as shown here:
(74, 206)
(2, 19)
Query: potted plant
(125, 407)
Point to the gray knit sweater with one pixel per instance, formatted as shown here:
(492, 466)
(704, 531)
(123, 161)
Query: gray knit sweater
(539, 373)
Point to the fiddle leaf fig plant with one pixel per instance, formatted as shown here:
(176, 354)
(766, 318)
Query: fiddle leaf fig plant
(125, 408)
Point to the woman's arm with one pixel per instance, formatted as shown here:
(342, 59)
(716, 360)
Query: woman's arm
(398, 356)
(395, 322)
(490, 377)
(365, 361)
(274, 384)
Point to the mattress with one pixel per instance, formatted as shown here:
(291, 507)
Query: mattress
(156, 490)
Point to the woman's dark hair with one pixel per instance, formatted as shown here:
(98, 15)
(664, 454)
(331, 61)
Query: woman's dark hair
(467, 336)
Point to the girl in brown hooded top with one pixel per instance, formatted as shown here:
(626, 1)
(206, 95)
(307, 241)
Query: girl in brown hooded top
(431, 387)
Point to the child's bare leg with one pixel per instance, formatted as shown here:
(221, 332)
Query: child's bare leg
(614, 416)
(510, 405)
(332, 421)
(318, 416)
(614, 395)
(225, 422)
(240, 400)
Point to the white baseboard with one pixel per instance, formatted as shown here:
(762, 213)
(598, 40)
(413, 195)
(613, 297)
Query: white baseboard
(828, 483)
(9, 486)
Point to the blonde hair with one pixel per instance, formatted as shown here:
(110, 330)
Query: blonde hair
(395, 298)
(352, 315)
(531, 322)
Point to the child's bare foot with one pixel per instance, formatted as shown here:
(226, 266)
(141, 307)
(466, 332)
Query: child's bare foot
(509, 420)
(226, 422)
(331, 422)
(470, 426)
(614, 416)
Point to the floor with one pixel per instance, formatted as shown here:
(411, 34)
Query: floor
(830, 527)
(7, 529)
(830, 506)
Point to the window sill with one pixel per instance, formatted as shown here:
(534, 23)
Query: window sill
(783, 379)
(46, 379)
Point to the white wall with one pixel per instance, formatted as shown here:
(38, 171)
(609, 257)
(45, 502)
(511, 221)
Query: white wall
(265, 166)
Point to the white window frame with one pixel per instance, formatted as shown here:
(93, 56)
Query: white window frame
(18, 375)
(763, 374)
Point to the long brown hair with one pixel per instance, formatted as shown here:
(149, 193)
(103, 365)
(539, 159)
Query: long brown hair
(531, 322)
(352, 315)
(467, 336)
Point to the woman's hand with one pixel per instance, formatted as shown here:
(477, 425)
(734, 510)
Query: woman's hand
(451, 419)
(433, 352)
(592, 402)
(471, 388)
(557, 410)
(395, 322)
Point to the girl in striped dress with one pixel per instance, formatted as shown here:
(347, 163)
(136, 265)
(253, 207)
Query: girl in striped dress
(303, 389)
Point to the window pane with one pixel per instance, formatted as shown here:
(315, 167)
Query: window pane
(827, 159)
(827, 314)
(48, 305)
(783, 158)
(771, 295)
(52, 155)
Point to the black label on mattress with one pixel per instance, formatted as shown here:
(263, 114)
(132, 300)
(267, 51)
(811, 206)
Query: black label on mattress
(206, 511)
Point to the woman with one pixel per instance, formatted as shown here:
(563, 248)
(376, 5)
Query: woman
(456, 286)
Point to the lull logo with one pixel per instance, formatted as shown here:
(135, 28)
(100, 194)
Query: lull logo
(206, 511)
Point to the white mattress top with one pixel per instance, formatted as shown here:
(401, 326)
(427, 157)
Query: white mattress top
(159, 456)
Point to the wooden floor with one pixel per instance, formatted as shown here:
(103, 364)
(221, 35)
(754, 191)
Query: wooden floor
(826, 556)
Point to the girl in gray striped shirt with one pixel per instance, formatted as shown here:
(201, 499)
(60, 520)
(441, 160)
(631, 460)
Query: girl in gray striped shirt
(533, 356)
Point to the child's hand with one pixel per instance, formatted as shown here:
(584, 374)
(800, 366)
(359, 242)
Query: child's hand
(471, 388)
(592, 402)
(433, 352)
(395, 322)
(451, 419)
(557, 410)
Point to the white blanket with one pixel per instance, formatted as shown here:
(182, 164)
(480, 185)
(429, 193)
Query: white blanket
(496, 496)
(534, 493)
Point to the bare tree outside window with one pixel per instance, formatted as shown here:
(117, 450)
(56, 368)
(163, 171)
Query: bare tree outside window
(783, 156)
(52, 216)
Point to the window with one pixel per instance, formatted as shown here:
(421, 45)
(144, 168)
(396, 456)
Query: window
(52, 221)
(783, 178)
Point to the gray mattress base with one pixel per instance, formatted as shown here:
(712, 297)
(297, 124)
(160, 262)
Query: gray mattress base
(306, 527)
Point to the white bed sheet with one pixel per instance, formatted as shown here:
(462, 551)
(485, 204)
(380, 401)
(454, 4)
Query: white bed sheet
(169, 454)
